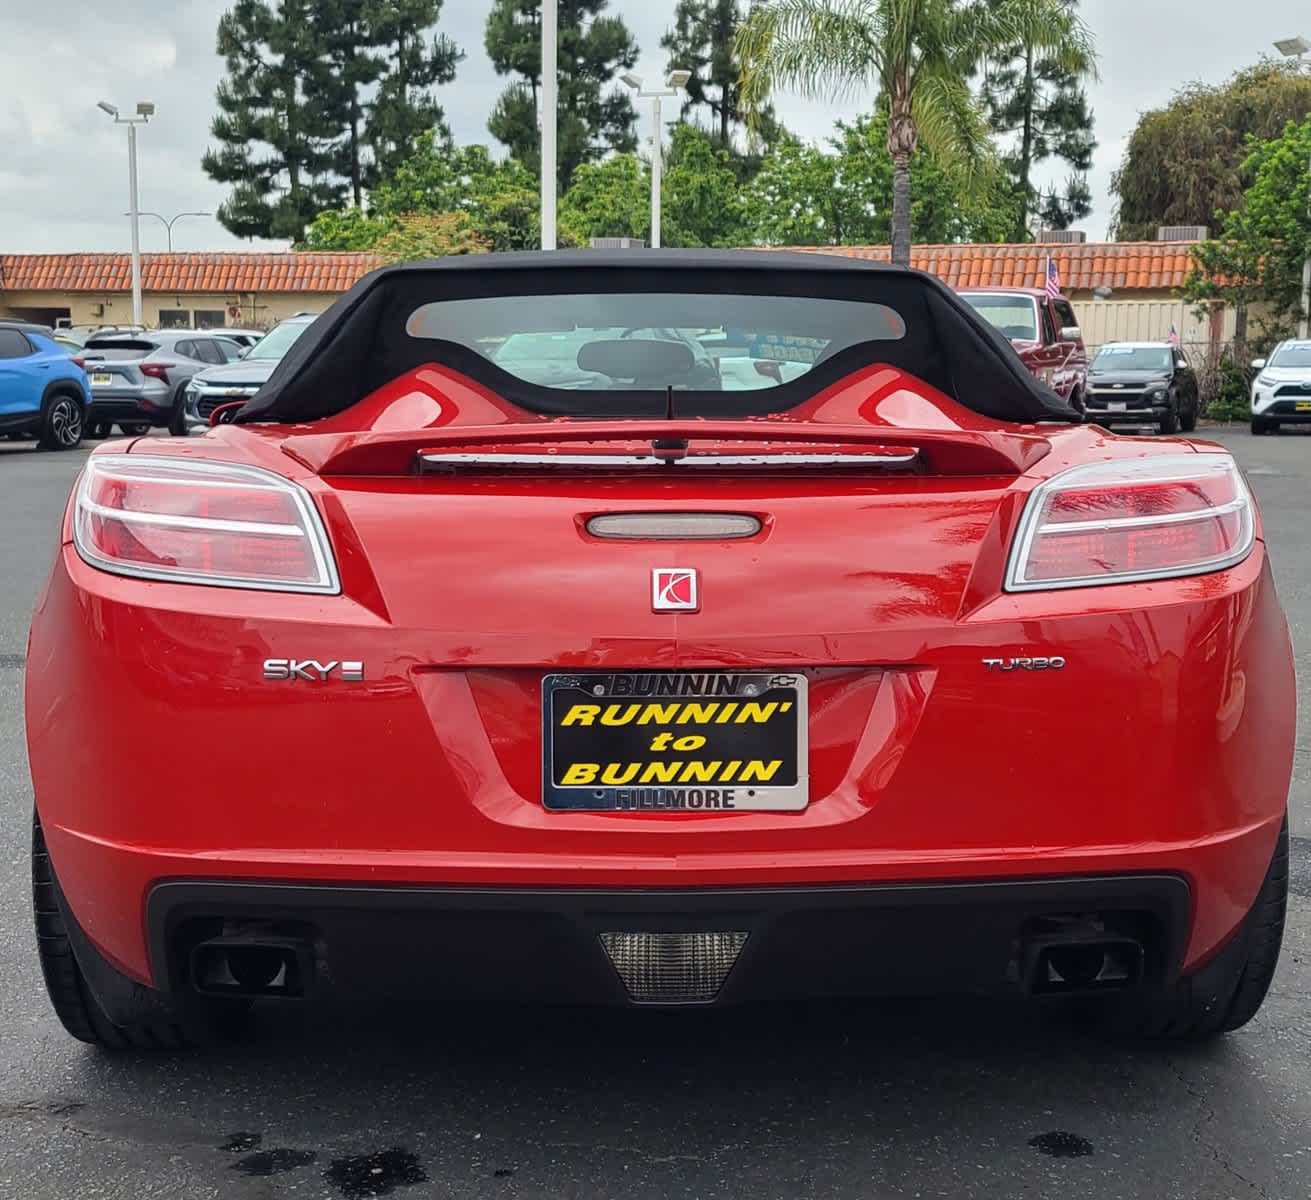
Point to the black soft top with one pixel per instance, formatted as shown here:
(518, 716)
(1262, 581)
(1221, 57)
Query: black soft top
(361, 342)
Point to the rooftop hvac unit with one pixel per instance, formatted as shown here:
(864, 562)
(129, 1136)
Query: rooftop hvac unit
(1182, 233)
(1062, 237)
(618, 243)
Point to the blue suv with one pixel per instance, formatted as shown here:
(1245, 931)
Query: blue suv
(43, 392)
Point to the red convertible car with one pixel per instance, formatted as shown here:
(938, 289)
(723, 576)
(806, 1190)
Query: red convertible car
(531, 639)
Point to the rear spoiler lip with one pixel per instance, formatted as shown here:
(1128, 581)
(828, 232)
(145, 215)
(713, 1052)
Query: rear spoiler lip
(947, 452)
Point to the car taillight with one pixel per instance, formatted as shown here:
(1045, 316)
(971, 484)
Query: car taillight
(769, 369)
(201, 522)
(156, 370)
(79, 361)
(1120, 522)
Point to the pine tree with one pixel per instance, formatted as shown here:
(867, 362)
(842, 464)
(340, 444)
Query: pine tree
(352, 68)
(594, 117)
(276, 137)
(1039, 100)
(702, 41)
(416, 60)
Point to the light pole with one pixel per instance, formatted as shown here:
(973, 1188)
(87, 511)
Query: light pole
(1295, 47)
(676, 81)
(168, 224)
(549, 117)
(145, 110)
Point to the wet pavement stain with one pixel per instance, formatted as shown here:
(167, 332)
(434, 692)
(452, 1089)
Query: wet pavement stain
(1062, 1145)
(367, 1175)
(503, 1172)
(273, 1162)
(241, 1141)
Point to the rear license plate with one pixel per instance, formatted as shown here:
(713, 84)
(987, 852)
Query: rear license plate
(101, 378)
(1116, 406)
(693, 742)
(1303, 406)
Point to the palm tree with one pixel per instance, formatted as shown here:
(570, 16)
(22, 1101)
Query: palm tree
(919, 54)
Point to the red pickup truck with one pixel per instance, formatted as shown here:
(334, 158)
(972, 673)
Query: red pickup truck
(1044, 332)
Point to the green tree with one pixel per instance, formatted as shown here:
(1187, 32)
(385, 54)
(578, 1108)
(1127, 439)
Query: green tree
(275, 135)
(701, 202)
(842, 194)
(595, 118)
(1038, 100)
(1263, 243)
(610, 198)
(413, 236)
(1183, 164)
(352, 68)
(702, 41)
(500, 200)
(417, 60)
(917, 54)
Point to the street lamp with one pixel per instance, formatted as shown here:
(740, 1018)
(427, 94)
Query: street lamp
(676, 81)
(145, 110)
(549, 117)
(168, 224)
(1295, 47)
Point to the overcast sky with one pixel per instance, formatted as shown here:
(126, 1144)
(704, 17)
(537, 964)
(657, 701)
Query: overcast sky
(63, 174)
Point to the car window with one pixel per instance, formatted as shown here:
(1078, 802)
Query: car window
(1292, 354)
(542, 343)
(207, 350)
(1013, 316)
(120, 348)
(1133, 358)
(274, 344)
(1065, 314)
(1048, 329)
(13, 344)
(230, 350)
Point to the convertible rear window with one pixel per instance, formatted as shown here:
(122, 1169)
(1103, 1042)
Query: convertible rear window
(704, 342)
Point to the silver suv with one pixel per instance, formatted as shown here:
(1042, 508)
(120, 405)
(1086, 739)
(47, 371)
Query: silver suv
(137, 380)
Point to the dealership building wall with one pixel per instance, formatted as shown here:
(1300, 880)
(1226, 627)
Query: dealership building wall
(258, 289)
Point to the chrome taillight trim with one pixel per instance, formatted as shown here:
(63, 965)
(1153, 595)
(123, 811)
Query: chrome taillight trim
(327, 583)
(1164, 469)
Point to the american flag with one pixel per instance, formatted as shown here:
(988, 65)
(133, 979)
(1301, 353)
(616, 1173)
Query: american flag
(1053, 286)
(1174, 335)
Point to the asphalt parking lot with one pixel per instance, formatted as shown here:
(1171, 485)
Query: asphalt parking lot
(392, 1095)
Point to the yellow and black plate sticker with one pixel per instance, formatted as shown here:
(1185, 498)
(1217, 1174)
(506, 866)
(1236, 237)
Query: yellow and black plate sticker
(693, 742)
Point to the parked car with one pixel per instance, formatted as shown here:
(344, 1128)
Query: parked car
(1045, 333)
(138, 380)
(80, 334)
(1281, 391)
(245, 338)
(241, 379)
(43, 390)
(1143, 383)
(656, 695)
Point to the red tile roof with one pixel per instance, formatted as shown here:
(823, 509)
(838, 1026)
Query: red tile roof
(221, 273)
(1123, 266)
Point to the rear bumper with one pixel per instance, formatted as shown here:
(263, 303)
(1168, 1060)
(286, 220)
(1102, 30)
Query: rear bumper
(113, 409)
(545, 945)
(1138, 416)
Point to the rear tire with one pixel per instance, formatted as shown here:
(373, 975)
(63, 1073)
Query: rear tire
(1258, 427)
(61, 422)
(177, 417)
(96, 430)
(135, 428)
(169, 1021)
(1226, 993)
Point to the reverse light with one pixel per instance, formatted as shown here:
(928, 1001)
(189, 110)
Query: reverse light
(192, 521)
(1123, 522)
